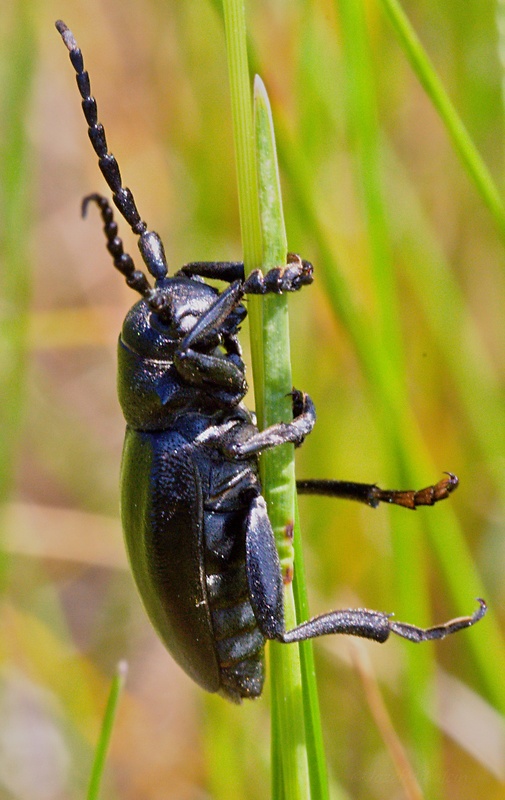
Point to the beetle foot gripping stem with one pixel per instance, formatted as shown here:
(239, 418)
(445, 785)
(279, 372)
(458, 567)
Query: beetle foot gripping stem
(289, 278)
(241, 443)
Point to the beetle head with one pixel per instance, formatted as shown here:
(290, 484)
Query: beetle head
(179, 303)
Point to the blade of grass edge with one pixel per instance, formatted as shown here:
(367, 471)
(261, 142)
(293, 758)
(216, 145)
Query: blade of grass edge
(409, 546)
(289, 772)
(289, 664)
(290, 775)
(15, 201)
(463, 144)
(106, 731)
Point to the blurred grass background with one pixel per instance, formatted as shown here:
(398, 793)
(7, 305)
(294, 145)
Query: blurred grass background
(426, 396)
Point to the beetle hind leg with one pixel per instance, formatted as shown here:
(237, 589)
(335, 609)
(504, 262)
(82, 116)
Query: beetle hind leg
(376, 625)
(266, 593)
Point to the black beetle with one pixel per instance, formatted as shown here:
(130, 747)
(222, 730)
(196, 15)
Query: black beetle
(199, 540)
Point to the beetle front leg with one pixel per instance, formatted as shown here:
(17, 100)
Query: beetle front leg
(208, 368)
(201, 368)
(289, 277)
(228, 271)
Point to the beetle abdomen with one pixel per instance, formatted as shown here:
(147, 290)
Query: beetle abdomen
(238, 641)
(189, 564)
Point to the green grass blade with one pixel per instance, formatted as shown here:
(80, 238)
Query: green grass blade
(243, 132)
(463, 144)
(106, 731)
(453, 328)
(393, 413)
(346, 308)
(15, 203)
(247, 182)
(289, 749)
(408, 450)
(318, 773)
(271, 368)
(500, 28)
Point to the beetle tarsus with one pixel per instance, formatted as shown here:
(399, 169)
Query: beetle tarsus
(415, 634)
(423, 497)
(287, 278)
(244, 443)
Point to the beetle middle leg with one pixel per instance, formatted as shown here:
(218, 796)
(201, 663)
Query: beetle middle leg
(244, 442)
(372, 495)
(241, 441)
(266, 593)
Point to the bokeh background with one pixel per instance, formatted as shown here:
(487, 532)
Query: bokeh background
(69, 611)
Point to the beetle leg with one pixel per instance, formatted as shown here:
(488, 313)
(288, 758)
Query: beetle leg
(370, 493)
(376, 625)
(245, 442)
(228, 271)
(266, 594)
(287, 278)
(204, 368)
(201, 369)
(263, 571)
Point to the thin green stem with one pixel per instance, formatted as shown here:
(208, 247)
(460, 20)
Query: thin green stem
(15, 213)
(106, 732)
(394, 413)
(458, 133)
(265, 244)
(277, 467)
(247, 183)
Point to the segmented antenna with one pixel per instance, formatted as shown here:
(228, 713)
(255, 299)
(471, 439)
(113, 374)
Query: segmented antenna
(122, 261)
(149, 242)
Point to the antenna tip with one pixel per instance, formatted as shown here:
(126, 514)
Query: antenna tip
(66, 34)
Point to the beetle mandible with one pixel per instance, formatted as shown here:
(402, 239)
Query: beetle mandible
(197, 532)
